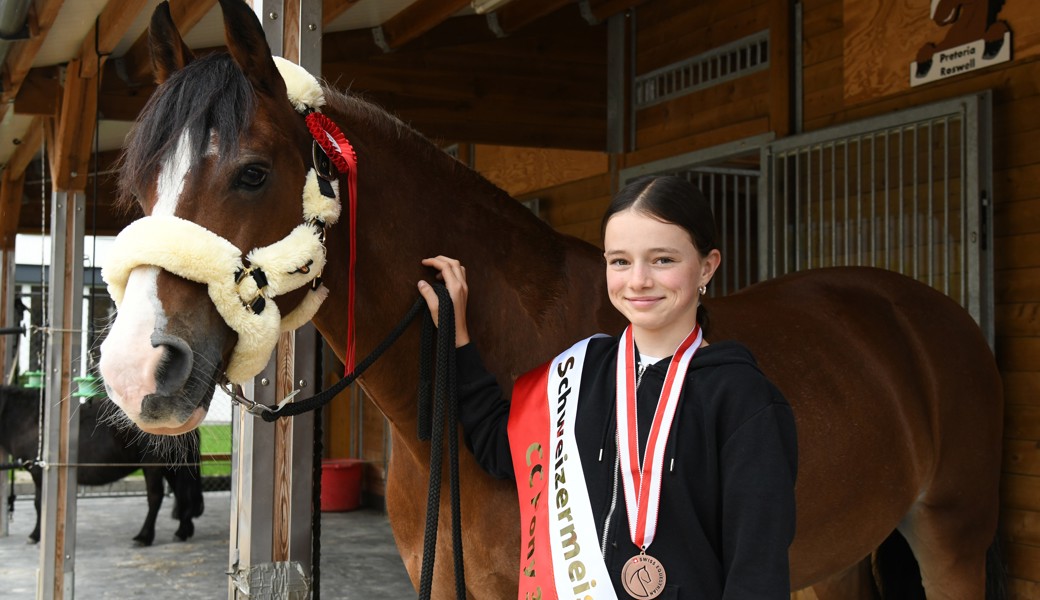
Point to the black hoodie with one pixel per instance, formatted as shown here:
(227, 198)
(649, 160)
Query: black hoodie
(727, 512)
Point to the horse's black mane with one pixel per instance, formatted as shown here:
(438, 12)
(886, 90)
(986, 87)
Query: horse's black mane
(211, 92)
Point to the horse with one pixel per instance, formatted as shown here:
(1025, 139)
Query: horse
(108, 454)
(896, 394)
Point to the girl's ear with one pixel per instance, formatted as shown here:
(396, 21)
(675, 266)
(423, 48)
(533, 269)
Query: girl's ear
(709, 264)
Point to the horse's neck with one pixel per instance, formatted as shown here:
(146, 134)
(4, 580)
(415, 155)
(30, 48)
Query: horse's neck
(415, 204)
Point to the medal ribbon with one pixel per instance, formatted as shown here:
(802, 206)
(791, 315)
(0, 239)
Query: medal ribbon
(642, 478)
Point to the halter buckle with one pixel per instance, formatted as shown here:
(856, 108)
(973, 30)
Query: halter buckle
(322, 162)
(252, 406)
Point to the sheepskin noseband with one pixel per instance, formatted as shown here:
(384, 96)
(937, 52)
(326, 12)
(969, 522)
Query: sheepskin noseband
(241, 288)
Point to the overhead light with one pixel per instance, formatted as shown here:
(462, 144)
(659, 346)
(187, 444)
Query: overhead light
(485, 6)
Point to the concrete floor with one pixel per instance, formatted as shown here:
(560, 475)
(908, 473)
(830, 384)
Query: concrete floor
(359, 558)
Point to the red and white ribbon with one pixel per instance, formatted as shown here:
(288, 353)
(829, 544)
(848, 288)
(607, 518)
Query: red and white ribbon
(642, 478)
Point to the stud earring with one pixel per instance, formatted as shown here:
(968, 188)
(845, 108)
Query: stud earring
(702, 290)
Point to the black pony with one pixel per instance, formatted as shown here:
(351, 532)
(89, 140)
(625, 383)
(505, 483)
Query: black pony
(100, 443)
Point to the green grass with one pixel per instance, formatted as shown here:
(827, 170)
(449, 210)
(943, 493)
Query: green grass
(215, 439)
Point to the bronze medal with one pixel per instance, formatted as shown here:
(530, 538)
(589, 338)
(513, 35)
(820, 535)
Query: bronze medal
(643, 577)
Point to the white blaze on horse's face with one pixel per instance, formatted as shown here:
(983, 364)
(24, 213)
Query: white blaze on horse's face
(130, 355)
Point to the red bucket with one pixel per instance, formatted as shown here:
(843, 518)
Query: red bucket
(340, 484)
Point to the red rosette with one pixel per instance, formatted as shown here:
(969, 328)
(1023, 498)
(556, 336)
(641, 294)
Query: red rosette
(332, 141)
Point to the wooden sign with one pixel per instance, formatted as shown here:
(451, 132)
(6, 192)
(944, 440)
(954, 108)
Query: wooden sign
(891, 46)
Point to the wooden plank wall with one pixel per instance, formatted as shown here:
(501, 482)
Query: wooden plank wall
(672, 30)
(1016, 163)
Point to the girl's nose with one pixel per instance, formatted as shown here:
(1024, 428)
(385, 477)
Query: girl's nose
(641, 276)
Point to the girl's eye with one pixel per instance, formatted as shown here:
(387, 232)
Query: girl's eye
(664, 260)
(618, 262)
(252, 177)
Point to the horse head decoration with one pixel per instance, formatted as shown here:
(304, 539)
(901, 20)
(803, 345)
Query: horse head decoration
(242, 216)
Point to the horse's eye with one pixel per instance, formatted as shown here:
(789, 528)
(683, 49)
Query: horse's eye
(252, 177)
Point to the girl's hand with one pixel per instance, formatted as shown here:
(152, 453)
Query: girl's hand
(453, 274)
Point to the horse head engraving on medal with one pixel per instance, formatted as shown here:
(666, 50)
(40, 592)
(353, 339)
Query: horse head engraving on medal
(643, 577)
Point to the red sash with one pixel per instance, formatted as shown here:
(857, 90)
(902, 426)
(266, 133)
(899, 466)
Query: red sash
(559, 548)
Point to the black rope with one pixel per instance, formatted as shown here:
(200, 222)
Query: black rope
(319, 400)
(319, 451)
(446, 399)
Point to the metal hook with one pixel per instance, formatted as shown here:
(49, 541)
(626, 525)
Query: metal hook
(252, 406)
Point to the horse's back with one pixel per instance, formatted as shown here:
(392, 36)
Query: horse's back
(896, 395)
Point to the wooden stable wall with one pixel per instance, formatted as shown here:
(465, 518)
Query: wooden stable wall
(1016, 166)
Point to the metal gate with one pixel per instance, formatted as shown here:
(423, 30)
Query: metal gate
(909, 192)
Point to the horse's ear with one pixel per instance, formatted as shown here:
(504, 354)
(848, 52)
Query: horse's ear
(169, 52)
(248, 46)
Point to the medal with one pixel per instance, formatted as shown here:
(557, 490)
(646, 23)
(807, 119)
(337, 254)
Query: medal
(643, 576)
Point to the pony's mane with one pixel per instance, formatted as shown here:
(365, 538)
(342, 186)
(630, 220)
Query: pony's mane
(210, 93)
(385, 125)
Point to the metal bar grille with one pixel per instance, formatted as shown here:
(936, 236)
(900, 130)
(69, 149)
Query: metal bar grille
(899, 192)
(732, 194)
(730, 61)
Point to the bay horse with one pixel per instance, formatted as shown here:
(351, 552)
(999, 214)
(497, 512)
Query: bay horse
(107, 454)
(896, 393)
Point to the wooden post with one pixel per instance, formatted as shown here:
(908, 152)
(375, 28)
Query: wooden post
(61, 421)
(270, 546)
(8, 358)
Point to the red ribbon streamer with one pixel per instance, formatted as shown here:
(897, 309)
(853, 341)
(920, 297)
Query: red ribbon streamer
(341, 154)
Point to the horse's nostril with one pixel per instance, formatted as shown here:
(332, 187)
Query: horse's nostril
(174, 366)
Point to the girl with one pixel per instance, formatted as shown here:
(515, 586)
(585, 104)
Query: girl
(651, 464)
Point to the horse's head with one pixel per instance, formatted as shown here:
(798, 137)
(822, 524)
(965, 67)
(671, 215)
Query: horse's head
(231, 244)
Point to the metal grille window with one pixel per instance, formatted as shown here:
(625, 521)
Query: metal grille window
(730, 61)
(905, 192)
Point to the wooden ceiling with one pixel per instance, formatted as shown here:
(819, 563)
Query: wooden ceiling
(533, 73)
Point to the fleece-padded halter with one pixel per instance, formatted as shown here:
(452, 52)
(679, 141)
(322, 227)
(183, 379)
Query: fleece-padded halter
(240, 289)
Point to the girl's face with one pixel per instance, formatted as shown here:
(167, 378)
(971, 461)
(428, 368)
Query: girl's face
(653, 272)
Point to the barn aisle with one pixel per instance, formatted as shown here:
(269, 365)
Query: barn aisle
(360, 560)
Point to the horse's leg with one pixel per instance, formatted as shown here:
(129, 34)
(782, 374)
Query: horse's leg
(153, 480)
(187, 494)
(950, 544)
(855, 583)
(34, 537)
(490, 526)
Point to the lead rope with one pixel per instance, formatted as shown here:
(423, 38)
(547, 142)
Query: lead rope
(431, 427)
(446, 394)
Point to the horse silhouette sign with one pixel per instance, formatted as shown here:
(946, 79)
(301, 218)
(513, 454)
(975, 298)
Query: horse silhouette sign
(974, 38)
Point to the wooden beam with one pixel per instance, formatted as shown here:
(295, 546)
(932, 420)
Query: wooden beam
(418, 18)
(26, 150)
(107, 32)
(186, 15)
(517, 15)
(75, 130)
(23, 52)
(354, 45)
(332, 9)
(40, 92)
(10, 208)
(603, 9)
